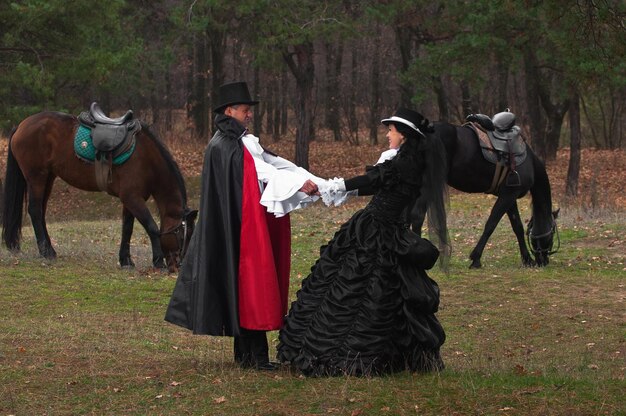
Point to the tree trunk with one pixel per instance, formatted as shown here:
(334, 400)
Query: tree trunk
(503, 81)
(258, 109)
(277, 108)
(303, 69)
(238, 67)
(284, 113)
(168, 102)
(573, 170)
(466, 96)
(270, 106)
(350, 104)
(535, 121)
(334, 60)
(199, 103)
(154, 109)
(404, 40)
(555, 112)
(590, 124)
(375, 97)
(553, 130)
(611, 108)
(218, 47)
(189, 81)
(442, 99)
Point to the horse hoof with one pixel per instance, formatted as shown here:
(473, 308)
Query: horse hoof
(127, 263)
(159, 264)
(475, 265)
(49, 254)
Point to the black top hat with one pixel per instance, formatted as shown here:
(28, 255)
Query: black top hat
(234, 93)
(407, 117)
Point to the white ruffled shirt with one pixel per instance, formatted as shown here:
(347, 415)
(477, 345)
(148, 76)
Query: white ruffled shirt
(279, 180)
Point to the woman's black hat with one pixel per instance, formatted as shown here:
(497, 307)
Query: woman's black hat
(409, 118)
(233, 93)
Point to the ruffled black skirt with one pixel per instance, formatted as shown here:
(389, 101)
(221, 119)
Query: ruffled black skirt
(368, 306)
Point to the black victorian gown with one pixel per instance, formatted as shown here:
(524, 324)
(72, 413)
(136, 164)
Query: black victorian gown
(368, 306)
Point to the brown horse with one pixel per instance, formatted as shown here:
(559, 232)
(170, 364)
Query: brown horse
(41, 149)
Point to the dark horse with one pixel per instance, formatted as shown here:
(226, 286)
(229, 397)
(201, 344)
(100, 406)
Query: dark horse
(41, 149)
(468, 171)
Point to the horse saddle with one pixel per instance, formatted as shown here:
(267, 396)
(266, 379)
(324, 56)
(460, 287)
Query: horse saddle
(110, 136)
(112, 139)
(500, 139)
(501, 144)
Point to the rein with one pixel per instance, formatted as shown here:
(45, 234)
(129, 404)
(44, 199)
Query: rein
(548, 250)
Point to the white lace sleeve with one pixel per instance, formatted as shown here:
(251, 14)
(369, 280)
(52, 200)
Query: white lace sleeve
(333, 192)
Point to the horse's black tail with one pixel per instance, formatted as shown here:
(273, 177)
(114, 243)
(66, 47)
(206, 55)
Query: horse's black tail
(12, 210)
(435, 195)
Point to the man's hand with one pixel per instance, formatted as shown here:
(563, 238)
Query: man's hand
(310, 188)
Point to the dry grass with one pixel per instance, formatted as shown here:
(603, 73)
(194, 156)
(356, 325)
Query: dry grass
(80, 336)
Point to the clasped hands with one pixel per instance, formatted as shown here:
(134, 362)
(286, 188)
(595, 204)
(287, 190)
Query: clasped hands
(332, 191)
(310, 188)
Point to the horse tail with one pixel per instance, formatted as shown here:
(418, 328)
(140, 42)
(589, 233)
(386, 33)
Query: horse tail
(12, 210)
(435, 196)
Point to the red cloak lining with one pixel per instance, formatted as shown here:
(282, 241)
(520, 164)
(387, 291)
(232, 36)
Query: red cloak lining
(264, 258)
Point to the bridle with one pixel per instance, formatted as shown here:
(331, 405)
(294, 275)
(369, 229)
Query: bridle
(548, 251)
(180, 232)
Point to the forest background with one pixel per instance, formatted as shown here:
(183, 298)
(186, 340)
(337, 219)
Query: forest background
(83, 336)
(333, 66)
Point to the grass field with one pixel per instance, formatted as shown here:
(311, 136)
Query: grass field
(81, 336)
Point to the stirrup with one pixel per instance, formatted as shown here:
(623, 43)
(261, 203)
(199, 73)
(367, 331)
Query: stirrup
(512, 179)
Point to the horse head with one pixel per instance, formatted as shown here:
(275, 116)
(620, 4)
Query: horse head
(175, 241)
(541, 244)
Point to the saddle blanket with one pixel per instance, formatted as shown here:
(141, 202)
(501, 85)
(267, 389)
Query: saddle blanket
(85, 150)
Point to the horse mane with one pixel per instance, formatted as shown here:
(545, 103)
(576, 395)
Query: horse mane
(169, 160)
(542, 180)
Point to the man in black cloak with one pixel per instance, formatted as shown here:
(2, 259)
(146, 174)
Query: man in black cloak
(234, 278)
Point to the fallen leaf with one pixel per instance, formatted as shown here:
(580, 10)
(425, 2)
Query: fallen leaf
(219, 400)
(519, 369)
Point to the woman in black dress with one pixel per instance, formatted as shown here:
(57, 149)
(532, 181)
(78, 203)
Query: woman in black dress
(368, 306)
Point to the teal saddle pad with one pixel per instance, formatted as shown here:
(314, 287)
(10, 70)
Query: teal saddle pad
(84, 148)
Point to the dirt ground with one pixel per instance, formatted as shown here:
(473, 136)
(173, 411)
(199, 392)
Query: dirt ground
(602, 178)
